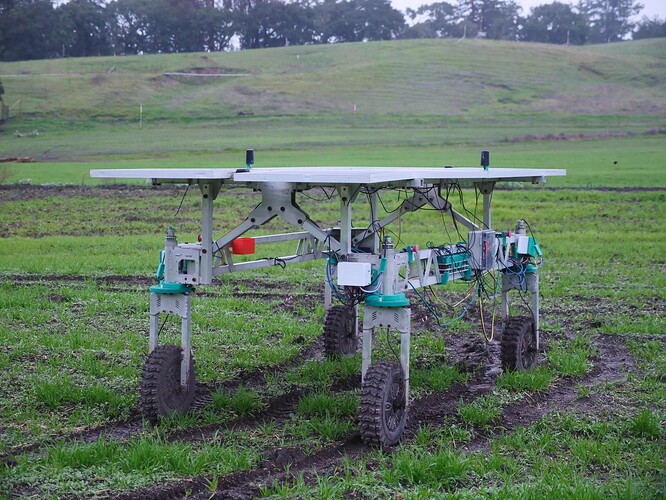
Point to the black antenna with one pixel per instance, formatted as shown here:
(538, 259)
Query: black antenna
(485, 159)
(249, 161)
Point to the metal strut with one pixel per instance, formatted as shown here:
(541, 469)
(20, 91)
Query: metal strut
(277, 200)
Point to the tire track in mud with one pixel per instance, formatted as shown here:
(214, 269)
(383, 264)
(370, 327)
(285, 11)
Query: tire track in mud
(282, 464)
(124, 430)
(611, 364)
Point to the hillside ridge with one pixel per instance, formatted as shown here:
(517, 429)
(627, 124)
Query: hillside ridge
(471, 78)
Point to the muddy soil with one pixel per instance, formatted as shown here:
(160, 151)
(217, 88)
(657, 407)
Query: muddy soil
(468, 352)
(285, 463)
(611, 364)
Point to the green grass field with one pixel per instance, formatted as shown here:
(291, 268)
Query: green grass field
(374, 104)
(277, 419)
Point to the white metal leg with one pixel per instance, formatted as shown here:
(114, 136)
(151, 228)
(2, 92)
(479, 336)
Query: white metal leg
(186, 325)
(405, 336)
(154, 327)
(387, 317)
(367, 342)
(533, 286)
(180, 304)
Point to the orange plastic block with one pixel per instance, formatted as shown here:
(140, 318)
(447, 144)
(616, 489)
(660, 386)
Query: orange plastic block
(243, 246)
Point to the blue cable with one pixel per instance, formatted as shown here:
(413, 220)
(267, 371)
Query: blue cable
(449, 323)
(334, 288)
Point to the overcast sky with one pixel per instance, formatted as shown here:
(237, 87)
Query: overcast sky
(651, 7)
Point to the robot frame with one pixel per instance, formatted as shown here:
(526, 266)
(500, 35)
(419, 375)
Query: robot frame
(361, 268)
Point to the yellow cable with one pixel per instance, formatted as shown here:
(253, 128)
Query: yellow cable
(469, 292)
(483, 324)
(492, 324)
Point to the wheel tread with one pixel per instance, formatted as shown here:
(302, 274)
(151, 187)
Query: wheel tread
(149, 386)
(370, 414)
(334, 330)
(514, 329)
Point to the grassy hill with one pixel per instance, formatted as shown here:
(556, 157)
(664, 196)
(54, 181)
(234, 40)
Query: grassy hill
(426, 77)
(353, 100)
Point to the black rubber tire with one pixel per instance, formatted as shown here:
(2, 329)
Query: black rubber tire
(519, 349)
(383, 414)
(161, 393)
(340, 338)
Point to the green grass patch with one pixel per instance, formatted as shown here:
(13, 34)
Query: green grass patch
(646, 424)
(318, 373)
(92, 468)
(435, 378)
(571, 358)
(323, 403)
(537, 379)
(440, 470)
(481, 412)
(243, 402)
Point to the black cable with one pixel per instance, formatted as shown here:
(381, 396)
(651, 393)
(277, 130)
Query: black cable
(181, 203)
(384, 206)
(527, 304)
(462, 203)
(328, 196)
(530, 228)
(163, 323)
(388, 341)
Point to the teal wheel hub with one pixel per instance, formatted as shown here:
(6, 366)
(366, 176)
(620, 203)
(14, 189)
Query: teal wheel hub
(170, 288)
(396, 300)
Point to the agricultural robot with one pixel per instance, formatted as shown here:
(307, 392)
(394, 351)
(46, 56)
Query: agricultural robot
(363, 269)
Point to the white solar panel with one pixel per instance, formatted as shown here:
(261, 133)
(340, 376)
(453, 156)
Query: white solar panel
(326, 176)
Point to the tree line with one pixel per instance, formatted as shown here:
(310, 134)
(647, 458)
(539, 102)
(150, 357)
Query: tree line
(38, 29)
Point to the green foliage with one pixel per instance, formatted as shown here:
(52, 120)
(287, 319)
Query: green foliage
(649, 28)
(609, 21)
(571, 358)
(109, 464)
(443, 469)
(437, 378)
(537, 379)
(325, 372)
(326, 415)
(646, 424)
(481, 412)
(555, 23)
(242, 402)
(322, 403)
(650, 355)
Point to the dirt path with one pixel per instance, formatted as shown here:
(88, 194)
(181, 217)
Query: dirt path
(282, 464)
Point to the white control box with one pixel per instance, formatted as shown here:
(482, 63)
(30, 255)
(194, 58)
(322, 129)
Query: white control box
(523, 244)
(354, 273)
